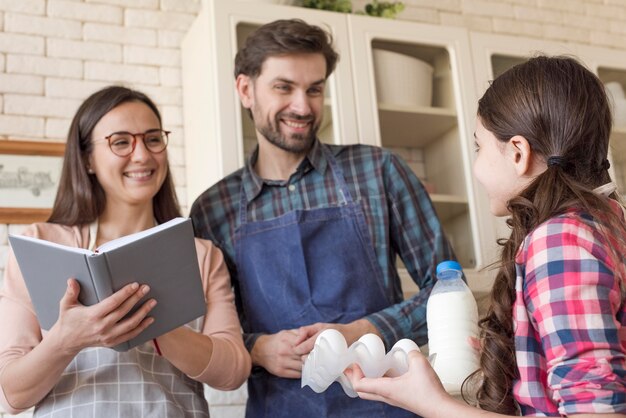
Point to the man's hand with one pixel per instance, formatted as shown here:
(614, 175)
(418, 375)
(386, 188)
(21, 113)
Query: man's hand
(351, 332)
(276, 354)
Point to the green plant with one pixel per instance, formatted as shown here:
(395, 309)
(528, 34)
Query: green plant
(344, 6)
(387, 9)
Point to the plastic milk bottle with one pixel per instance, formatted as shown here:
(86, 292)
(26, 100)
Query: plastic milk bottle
(452, 317)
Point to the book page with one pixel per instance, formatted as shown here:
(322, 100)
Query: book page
(119, 242)
(55, 245)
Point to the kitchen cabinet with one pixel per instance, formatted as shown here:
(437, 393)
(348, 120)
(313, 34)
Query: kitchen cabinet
(610, 66)
(434, 137)
(438, 132)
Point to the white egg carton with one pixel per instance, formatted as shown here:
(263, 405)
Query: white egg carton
(331, 356)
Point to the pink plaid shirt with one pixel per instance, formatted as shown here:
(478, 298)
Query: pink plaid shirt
(570, 322)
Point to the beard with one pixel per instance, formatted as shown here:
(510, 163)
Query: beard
(294, 143)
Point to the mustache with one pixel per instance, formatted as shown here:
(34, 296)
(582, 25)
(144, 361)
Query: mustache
(301, 118)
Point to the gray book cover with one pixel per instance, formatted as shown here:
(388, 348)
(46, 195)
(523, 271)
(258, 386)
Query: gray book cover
(163, 257)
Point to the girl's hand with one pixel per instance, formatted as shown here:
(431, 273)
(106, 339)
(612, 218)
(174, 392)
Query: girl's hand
(419, 390)
(100, 325)
(475, 343)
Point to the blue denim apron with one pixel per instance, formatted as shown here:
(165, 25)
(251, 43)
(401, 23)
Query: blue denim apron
(303, 267)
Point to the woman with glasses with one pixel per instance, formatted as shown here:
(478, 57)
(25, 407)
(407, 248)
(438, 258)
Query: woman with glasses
(116, 181)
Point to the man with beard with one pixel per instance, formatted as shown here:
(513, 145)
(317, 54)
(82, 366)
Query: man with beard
(311, 231)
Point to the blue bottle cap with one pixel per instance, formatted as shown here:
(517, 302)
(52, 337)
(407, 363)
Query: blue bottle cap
(448, 265)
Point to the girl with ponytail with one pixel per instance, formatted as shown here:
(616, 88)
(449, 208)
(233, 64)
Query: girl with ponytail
(553, 342)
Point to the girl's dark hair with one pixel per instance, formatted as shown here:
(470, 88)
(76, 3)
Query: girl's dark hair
(80, 198)
(284, 37)
(562, 110)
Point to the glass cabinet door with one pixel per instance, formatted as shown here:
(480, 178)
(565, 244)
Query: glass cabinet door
(494, 54)
(409, 99)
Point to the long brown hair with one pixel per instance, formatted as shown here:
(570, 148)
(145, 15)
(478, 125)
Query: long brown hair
(562, 110)
(80, 198)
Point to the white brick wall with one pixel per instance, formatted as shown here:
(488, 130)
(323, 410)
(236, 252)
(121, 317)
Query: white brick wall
(21, 83)
(158, 19)
(71, 88)
(56, 67)
(32, 7)
(54, 53)
(21, 126)
(119, 34)
(84, 50)
(21, 44)
(85, 12)
(42, 25)
(156, 56)
(38, 106)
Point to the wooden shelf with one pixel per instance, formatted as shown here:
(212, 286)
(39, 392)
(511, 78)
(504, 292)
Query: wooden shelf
(447, 198)
(413, 126)
(449, 206)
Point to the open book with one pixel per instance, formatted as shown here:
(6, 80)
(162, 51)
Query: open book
(163, 257)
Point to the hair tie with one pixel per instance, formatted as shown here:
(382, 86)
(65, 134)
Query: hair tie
(605, 164)
(556, 160)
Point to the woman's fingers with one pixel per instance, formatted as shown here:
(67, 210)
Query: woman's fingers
(372, 386)
(116, 338)
(127, 328)
(127, 325)
(70, 297)
(372, 397)
(107, 323)
(127, 305)
(114, 327)
(118, 298)
(415, 359)
(114, 308)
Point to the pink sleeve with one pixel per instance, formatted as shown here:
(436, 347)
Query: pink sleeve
(230, 362)
(18, 322)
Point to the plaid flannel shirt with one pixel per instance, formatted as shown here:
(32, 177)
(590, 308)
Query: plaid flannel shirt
(399, 214)
(570, 321)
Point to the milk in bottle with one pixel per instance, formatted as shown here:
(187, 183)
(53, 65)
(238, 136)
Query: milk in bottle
(452, 317)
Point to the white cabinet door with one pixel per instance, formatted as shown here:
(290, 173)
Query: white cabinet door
(610, 66)
(433, 131)
(218, 133)
(494, 54)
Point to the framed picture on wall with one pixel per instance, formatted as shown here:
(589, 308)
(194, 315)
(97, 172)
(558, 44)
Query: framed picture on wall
(29, 177)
